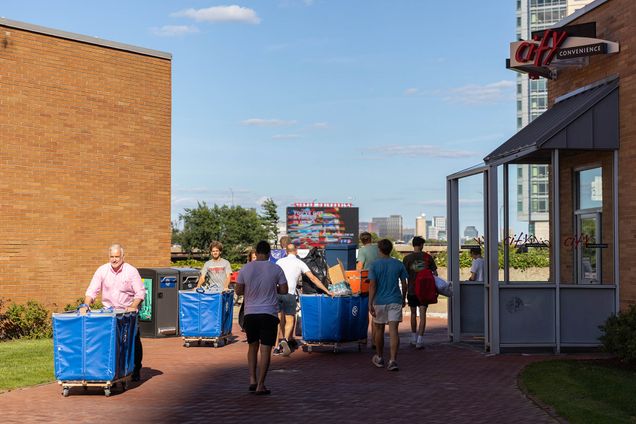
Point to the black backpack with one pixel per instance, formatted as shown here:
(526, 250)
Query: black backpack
(317, 264)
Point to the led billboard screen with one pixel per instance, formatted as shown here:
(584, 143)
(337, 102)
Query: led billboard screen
(318, 226)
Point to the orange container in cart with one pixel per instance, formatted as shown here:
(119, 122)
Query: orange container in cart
(358, 280)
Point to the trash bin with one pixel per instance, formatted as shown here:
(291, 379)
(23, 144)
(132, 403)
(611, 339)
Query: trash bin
(345, 252)
(188, 278)
(94, 349)
(159, 313)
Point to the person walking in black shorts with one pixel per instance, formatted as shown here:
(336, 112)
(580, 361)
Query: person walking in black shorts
(260, 282)
(415, 262)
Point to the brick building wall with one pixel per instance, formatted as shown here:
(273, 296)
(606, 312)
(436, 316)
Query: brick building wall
(615, 22)
(84, 162)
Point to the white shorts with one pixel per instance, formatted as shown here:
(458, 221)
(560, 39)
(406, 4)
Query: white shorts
(387, 313)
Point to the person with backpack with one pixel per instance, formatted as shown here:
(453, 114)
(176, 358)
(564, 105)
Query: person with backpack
(415, 263)
(386, 302)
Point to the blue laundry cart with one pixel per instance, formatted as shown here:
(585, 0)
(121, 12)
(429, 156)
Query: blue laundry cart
(334, 322)
(205, 317)
(96, 349)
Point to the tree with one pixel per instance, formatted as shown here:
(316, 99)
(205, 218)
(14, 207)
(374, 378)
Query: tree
(176, 233)
(236, 227)
(270, 219)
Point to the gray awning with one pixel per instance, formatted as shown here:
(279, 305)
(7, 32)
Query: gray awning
(586, 120)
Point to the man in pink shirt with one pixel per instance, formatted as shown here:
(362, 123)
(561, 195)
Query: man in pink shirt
(121, 288)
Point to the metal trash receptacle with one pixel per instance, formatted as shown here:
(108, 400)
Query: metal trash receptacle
(159, 313)
(188, 278)
(345, 252)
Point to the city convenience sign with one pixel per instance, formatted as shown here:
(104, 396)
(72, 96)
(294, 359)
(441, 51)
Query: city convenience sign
(553, 48)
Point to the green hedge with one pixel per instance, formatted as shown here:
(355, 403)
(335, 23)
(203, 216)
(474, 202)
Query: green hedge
(28, 321)
(193, 263)
(619, 335)
(534, 257)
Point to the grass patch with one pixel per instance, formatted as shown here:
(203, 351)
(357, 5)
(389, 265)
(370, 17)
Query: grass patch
(25, 363)
(599, 391)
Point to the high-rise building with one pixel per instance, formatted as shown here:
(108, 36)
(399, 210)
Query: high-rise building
(470, 232)
(394, 227)
(421, 229)
(381, 225)
(437, 230)
(532, 101)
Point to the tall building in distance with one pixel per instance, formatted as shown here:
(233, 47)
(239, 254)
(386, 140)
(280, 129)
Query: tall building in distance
(470, 233)
(421, 227)
(437, 230)
(380, 224)
(532, 101)
(394, 227)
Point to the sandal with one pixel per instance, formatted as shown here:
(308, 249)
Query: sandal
(263, 392)
(252, 387)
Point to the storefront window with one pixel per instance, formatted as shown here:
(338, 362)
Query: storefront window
(590, 188)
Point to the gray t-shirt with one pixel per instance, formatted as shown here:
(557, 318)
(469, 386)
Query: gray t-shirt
(261, 280)
(216, 273)
(367, 254)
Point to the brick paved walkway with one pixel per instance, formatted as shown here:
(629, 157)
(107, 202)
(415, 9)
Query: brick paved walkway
(442, 384)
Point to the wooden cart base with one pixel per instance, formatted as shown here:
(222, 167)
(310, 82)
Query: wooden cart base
(336, 346)
(106, 385)
(201, 341)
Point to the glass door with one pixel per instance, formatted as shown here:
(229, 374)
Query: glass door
(588, 236)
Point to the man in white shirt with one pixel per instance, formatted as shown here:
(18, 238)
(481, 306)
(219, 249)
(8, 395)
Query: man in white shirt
(294, 269)
(477, 267)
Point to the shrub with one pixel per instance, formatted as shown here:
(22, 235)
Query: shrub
(619, 335)
(188, 263)
(97, 304)
(29, 321)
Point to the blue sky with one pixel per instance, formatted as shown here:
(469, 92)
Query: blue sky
(372, 102)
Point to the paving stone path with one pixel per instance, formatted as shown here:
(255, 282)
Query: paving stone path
(443, 383)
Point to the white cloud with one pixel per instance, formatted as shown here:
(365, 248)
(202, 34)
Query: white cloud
(174, 30)
(231, 13)
(320, 125)
(260, 122)
(419, 150)
(411, 91)
(286, 137)
(308, 2)
(475, 94)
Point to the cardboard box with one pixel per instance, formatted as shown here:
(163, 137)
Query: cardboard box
(337, 273)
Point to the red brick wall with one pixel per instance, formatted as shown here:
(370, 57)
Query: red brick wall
(84, 163)
(615, 22)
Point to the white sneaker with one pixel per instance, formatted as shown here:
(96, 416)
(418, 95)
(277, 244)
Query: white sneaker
(393, 366)
(377, 361)
(413, 339)
(285, 349)
(420, 343)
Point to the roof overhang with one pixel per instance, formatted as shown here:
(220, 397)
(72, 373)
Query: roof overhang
(586, 119)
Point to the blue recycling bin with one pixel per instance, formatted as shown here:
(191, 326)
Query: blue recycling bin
(207, 315)
(345, 252)
(338, 319)
(97, 346)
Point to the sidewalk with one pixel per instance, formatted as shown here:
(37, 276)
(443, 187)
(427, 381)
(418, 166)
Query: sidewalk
(440, 384)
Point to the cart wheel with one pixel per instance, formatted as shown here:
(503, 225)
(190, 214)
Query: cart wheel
(65, 392)
(215, 344)
(107, 392)
(186, 344)
(221, 342)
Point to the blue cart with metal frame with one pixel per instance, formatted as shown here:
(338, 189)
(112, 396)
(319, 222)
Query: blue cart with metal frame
(205, 317)
(95, 349)
(334, 322)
